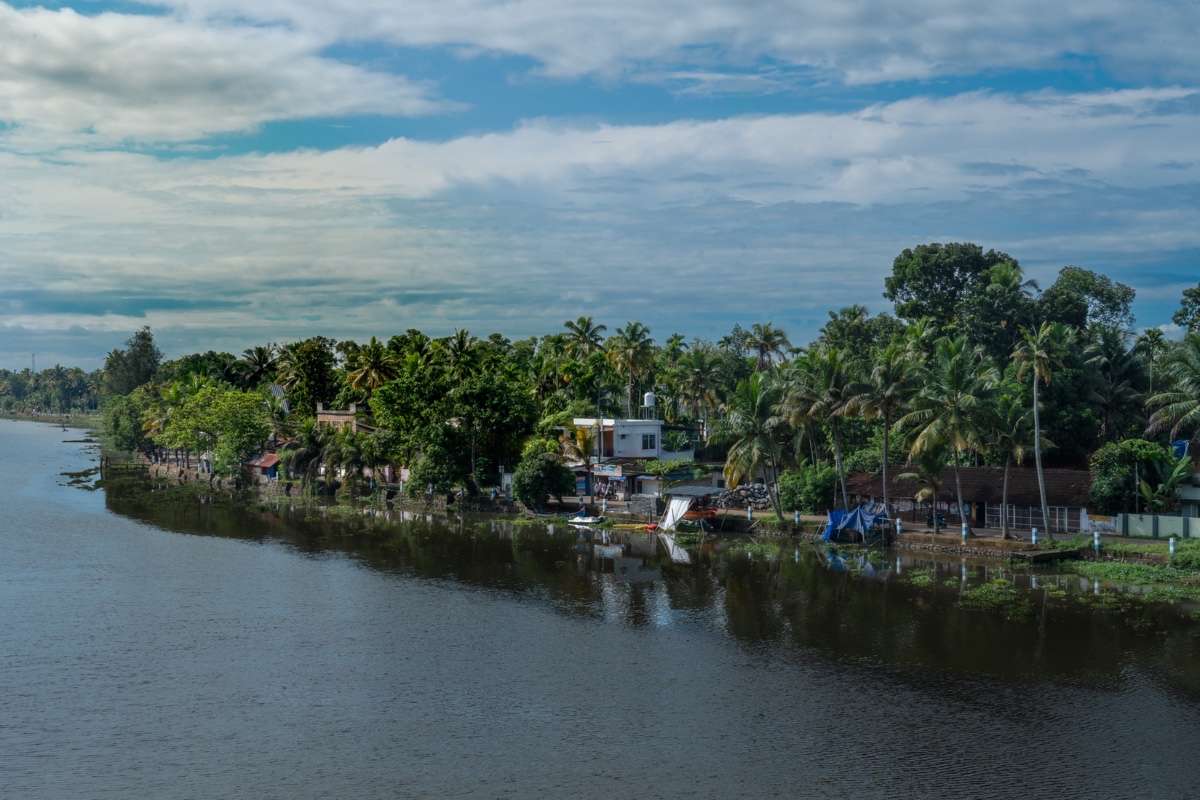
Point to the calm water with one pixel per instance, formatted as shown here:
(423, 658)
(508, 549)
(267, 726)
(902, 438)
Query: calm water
(154, 646)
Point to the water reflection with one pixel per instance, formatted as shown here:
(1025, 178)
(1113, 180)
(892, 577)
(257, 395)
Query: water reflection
(895, 609)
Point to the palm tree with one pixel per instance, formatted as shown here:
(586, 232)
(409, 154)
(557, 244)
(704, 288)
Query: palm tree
(755, 433)
(1117, 374)
(886, 395)
(950, 408)
(820, 390)
(460, 352)
(768, 342)
(373, 366)
(256, 365)
(584, 336)
(1012, 435)
(928, 466)
(700, 375)
(1151, 345)
(1177, 409)
(1038, 354)
(630, 351)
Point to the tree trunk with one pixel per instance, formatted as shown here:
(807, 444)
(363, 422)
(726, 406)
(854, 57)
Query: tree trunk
(958, 492)
(837, 458)
(1037, 457)
(884, 465)
(1004, 501)
(629, 396)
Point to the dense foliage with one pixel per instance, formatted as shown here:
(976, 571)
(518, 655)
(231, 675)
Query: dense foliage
(978, 365)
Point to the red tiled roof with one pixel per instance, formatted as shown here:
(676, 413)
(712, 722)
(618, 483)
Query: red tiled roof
(1064, 487)
(265, 461)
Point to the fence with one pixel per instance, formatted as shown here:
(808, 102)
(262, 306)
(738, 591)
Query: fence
(1063, 519)
(1155, 526)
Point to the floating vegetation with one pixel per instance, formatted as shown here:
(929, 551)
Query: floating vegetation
(922, 578)
(997, 594)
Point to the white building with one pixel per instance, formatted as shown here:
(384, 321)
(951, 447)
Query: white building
(631, 438)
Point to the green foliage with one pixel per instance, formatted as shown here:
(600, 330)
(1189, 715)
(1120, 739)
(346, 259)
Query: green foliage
(231, 424)
(936, 281)
(1113, 472)
(537, 477)
(433, 471)
(1188, 315)
(306, 371)
(866, 459)
(125, 370)
(1080, 297)
(122, 422)
(808, 490)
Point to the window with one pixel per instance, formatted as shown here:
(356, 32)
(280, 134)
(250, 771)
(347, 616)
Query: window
(648, 442)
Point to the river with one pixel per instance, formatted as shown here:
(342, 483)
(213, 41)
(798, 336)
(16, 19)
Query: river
(156, 646)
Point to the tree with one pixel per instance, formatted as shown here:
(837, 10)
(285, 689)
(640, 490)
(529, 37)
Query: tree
(257, 365)
(1160, 495)
(951, 407)
(754, 432)
(936, 280)
(768, 342)
(1151, 345)
(630, 351)
(1177, 409)
(1037, 355)
(1012, 435)
(1116, 378)
(885, 396)
(539, 476)
(1116, 470)
(809, 489)
(584, 336)
(125, 370)
(373, 365)
(927, 468)
(993, 316)
(1080, 297)
(306, 371)
(820, 390)
(1188, 315)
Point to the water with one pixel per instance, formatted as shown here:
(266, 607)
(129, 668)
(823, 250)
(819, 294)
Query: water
(155, 647)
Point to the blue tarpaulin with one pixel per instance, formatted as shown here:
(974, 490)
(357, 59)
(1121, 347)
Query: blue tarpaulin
(857, 525)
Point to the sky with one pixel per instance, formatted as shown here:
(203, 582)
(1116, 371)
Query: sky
(234, 173)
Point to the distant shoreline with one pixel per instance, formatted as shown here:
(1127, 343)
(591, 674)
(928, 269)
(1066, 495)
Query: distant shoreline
(72, 420)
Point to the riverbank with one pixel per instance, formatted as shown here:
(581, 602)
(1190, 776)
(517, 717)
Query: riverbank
(91, 421)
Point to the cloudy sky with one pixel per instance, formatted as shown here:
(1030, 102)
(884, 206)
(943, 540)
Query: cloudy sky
(235, 172)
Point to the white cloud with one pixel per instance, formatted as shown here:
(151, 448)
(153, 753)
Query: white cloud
(860, 42)
(744, 218)
(111, 77)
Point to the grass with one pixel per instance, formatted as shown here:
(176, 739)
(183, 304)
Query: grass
(1187, 551)
(1164, 583)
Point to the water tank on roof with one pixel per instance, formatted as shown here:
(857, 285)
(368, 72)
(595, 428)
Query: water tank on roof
(648, 400)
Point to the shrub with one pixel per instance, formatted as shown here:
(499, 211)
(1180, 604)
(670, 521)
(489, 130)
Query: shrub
(540, 475)
(807, 489)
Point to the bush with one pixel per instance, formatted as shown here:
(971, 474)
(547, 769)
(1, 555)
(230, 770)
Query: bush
(865, 460)
(432, 469)
(538, 476)
(1112, 468)
(808, 489)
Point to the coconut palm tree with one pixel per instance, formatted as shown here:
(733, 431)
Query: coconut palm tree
(256, 365)
(820, 390)
(1151, 345)
(950, 408)
(699, 379)
(1038, 354)
(885, 396)
(1116, 377)
(1177, 409)
(630, 351)
(769, 343)
(1161, 495)
(1012, 435)
(926, 469)
(459, 352)
(584, 336)
(373, 366)
(755, 433)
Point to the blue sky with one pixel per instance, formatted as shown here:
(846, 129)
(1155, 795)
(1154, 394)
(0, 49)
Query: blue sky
(235, 173)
